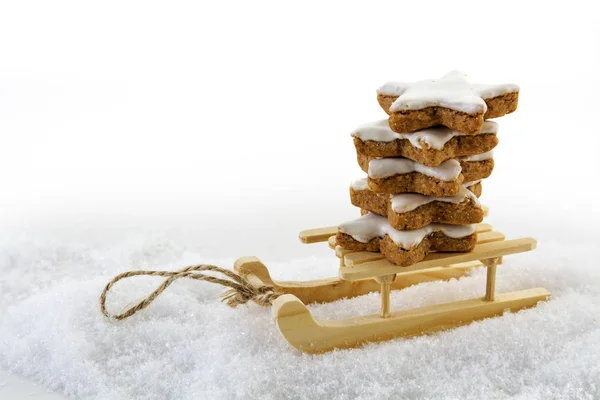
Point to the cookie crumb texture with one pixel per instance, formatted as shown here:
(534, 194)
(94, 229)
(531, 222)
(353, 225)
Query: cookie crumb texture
(476, 189)
(420, 183)
(465, 212)
(456, 147)
(476, 170)
(416, 182)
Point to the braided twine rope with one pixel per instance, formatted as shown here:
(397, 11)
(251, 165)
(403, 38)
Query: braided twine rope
(240, 290)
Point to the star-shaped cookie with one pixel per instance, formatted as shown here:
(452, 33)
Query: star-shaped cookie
(450, 101)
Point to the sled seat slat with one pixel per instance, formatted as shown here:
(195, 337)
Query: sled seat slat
(317, 235)
(383, 267)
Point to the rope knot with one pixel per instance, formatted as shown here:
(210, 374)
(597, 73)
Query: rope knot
(261, 295)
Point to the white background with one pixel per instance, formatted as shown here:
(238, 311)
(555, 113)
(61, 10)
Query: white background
(150, 109)
(232, 118)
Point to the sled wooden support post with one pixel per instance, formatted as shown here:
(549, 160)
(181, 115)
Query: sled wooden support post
(490, 286)
(385, 291)
(490, 283)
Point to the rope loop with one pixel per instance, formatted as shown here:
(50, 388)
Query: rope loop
(240, 290)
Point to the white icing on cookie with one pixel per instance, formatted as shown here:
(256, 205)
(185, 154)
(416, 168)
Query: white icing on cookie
(451, 91)
(371, 226)
(478, 157)
(405, 202)
(472, 183)
(360, 184)
(435, 138)
(365, 228)
(385, 167)
(380, 131)
(412, 238)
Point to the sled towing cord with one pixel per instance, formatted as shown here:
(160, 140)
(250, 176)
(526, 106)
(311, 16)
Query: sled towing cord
(241, 290)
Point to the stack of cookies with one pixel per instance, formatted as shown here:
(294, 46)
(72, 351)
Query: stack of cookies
(424, 167)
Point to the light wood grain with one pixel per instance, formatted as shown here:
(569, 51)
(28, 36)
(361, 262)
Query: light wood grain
(317, 235)
(490, 283)
(384, 292)
(332, 289)
(488, 237)
(254, 270)
(341, 252)
(302, 331)
(482, 251)
(483, 228)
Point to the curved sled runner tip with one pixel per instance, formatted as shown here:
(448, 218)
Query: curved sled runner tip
(331, 289)
(254, 270)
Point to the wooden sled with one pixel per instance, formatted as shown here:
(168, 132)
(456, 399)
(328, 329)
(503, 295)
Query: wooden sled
(357, 272)
(331, 289)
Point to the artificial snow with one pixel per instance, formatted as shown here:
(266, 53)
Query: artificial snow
(188, 345)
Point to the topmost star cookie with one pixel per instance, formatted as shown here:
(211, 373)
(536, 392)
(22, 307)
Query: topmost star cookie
(450, 101)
